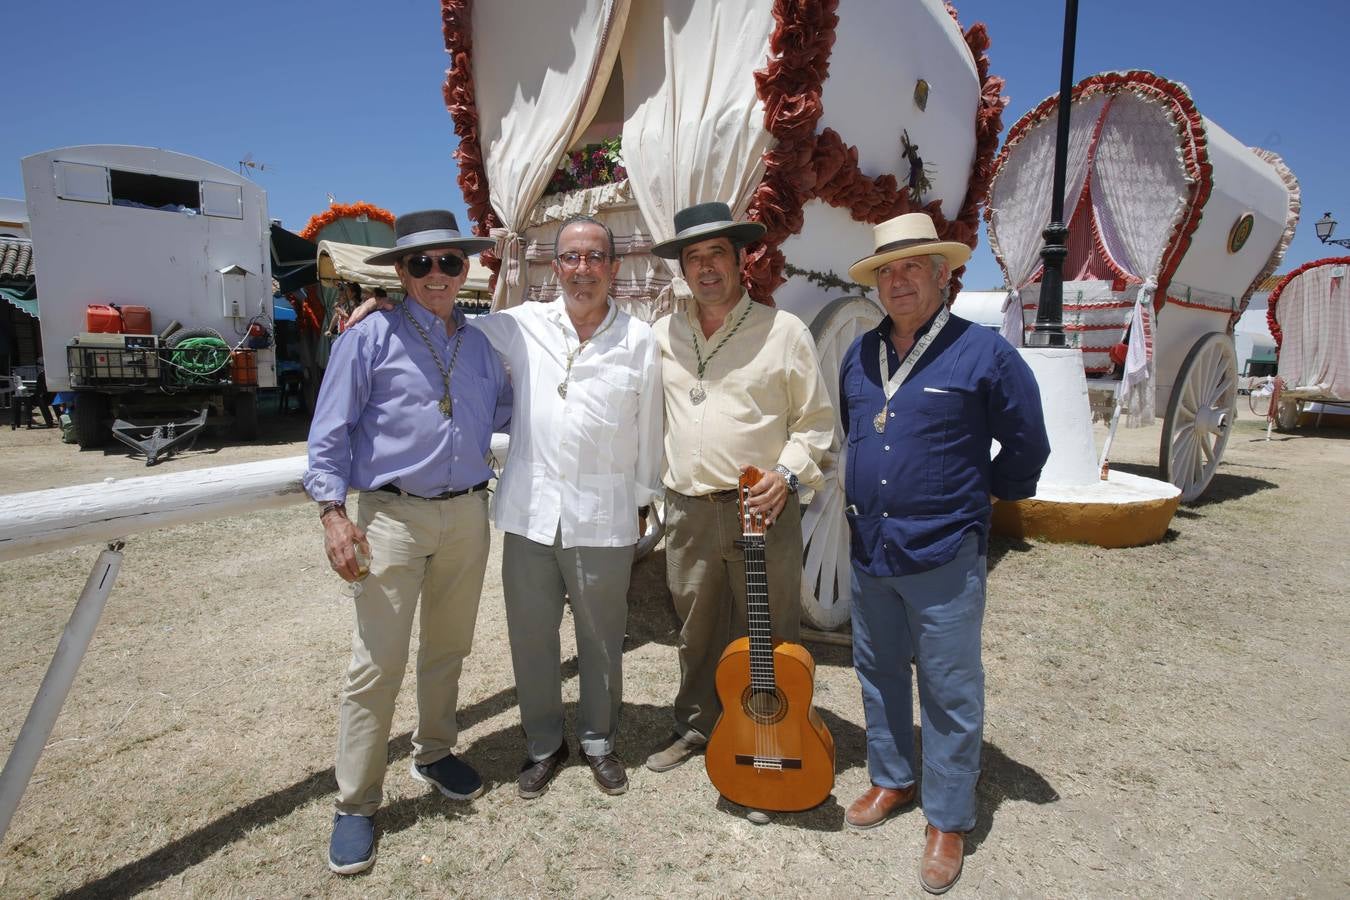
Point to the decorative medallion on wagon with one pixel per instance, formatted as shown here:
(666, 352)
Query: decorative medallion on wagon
(1241, 230)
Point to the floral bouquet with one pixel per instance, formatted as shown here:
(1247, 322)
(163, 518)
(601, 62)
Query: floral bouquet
(593, 164)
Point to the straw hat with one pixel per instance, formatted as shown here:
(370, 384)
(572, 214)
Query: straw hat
(703, 222)
(904, 236)
(424, 229)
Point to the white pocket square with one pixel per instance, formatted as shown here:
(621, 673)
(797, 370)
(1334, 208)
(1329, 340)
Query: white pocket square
(930, 390)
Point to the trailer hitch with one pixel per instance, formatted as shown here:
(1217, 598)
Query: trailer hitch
(159, 440)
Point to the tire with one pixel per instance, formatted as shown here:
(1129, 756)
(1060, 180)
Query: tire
(183, 334)
(246, 415)
(91, 411)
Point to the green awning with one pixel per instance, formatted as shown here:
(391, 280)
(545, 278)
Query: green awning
(293, 260)
(24, 298)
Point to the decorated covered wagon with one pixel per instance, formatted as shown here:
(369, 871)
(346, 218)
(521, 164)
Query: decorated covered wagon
(631, 111)
(1309, 316)
(1172, 225)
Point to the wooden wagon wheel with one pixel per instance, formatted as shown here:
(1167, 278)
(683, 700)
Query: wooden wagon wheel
(1287, 413)
(825, 573)
(1200, 415)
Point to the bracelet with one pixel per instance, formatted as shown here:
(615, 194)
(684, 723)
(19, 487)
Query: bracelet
(330, 505)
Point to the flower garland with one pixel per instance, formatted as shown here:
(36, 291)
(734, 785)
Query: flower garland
(462, 102)
(826, 280)
(592, 165)
(806, 166)
(318, 223)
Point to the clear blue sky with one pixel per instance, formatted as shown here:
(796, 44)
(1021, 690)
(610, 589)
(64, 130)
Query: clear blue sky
(345, 97)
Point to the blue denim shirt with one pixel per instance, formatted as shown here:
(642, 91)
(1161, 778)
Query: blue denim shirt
(377, 420)
(915, 491)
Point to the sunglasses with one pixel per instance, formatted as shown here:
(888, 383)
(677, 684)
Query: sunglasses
(420, 266)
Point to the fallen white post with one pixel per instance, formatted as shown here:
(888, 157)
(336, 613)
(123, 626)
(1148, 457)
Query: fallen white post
(39, 521)
(56, 683)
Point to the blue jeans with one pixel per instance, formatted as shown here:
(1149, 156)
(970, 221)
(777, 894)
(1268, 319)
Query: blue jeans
(934, 618)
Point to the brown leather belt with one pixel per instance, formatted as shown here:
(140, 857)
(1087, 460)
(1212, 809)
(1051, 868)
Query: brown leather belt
(448, 495)
(714, 497)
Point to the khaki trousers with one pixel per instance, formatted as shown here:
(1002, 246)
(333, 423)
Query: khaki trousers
(705, 571)
(436, 550)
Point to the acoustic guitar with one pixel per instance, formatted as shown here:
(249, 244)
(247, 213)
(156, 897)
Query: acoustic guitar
(769, 750)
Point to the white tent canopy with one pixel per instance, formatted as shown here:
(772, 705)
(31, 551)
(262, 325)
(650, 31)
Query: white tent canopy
(346, 262)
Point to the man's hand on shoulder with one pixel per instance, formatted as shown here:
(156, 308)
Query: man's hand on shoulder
(340, 535)
(368, 306)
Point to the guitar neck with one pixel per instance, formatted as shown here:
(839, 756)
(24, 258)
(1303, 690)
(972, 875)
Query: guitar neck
(757, 614)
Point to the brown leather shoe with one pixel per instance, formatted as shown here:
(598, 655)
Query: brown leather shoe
(877, 805)
(608, 772)
(675, 751)
(942, 856)
(535, 776)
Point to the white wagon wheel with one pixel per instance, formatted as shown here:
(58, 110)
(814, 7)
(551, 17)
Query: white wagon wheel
(1287, 413)
(1200, 415)
(825, 573)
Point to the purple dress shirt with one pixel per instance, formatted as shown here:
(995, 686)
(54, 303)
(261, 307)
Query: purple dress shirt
(377, 419)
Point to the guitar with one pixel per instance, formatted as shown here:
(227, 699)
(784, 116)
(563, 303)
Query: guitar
(769, 750)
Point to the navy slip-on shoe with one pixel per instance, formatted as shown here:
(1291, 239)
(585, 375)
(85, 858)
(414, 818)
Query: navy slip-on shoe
(352, 847)
(454, 778)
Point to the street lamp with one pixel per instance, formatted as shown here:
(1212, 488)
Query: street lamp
(1049, 328)
(1325, 226)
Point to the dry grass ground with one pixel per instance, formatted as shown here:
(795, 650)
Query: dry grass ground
(1163, 721)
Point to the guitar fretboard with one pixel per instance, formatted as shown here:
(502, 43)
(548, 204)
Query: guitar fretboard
(757, 614)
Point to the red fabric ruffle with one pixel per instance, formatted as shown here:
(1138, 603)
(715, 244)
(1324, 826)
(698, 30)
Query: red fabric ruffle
(319, 222)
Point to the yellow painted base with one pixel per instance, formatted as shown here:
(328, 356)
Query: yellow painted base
(1120, 523)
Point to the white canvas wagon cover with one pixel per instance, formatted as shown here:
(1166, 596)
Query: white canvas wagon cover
(1309, 316)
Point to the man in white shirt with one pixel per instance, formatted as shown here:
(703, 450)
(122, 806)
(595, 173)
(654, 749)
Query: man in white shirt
(585, 457)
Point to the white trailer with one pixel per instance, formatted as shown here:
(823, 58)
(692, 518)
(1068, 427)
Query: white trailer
(141, 226)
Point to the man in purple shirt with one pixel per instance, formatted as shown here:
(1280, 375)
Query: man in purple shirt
(405, 416)
(921, 397)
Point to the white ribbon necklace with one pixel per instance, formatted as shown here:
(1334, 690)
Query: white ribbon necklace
(891, 383)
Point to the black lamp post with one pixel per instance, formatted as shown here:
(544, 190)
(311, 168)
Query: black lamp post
(1049, 329)
(1325, 226)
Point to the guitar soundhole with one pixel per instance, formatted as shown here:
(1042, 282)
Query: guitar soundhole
(764, 707)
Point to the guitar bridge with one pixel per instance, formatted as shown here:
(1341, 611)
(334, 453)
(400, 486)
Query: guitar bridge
(775, 763)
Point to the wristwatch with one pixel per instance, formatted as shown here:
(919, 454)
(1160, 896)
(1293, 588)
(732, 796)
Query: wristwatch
(788, 476)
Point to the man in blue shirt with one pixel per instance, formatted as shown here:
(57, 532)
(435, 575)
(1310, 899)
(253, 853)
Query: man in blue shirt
(405, 416)
(921, 398)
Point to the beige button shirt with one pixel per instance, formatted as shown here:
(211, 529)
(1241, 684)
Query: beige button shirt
(766, 400)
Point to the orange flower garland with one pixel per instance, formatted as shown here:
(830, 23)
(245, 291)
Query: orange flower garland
(338, 211)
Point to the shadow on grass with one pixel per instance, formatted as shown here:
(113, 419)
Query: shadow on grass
(1224, 486)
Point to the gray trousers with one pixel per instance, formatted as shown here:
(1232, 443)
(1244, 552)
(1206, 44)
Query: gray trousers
(705, 571)
(537, 579)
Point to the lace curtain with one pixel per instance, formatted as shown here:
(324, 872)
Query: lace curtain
(1314, 319)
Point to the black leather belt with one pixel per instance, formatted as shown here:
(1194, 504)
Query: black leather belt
(448, 495)
(714, 497)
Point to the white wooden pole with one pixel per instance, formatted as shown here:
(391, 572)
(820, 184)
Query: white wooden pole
(56, 684)
(39, 521)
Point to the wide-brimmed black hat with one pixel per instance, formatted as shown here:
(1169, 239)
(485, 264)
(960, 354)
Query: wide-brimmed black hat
(423, 230)
(703, 222)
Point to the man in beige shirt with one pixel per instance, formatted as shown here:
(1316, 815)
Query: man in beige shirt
(742, 388)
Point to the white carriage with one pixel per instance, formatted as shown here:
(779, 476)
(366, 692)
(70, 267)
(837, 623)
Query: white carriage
(1172, 225)
(651, 107)
(1309, 316)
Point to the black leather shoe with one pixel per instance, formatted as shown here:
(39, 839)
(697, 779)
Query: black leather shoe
(535, 776)
(608, 771)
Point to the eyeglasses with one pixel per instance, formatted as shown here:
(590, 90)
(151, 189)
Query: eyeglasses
(572, 259)
(420, 266)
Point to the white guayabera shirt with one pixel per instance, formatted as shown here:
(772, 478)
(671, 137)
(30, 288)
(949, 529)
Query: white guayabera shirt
(580, 464)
